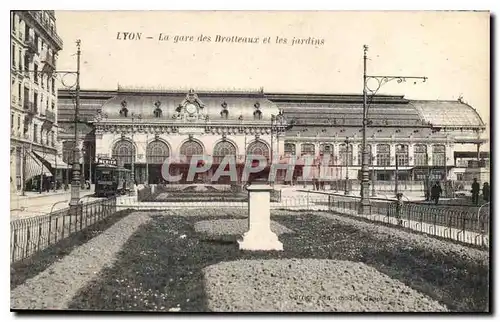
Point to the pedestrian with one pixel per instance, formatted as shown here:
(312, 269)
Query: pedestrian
(436, 192)
(475, 192)
(486, 192)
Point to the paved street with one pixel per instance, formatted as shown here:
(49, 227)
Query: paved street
(35, 204)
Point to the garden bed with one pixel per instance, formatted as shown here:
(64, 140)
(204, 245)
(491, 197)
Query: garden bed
(163, 265)
(34, 265)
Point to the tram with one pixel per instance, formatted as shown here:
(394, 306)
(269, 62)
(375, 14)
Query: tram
(111, 180)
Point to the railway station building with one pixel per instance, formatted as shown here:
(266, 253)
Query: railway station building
(410, 139)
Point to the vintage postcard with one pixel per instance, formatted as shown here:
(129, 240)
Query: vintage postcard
(250, 161)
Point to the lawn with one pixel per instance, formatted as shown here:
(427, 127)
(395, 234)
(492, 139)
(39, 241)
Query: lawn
(163, 266)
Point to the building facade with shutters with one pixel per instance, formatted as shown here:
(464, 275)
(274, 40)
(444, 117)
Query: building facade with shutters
(408, 138)
(34, 149)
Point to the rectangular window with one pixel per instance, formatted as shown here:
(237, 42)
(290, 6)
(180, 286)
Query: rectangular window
(18, 122)
(35, 73)
(420, 154)
(26, 97)
(53, 87)
(26, 63)
(12, 121)
(346, 156)
(35, 102)
(438, 155)
(402, 155)
(307, 149)
(53, 141)
(289, 149)
(13, 56)
(35, 133)
(20, 60)
(383, 155)
(26, 32)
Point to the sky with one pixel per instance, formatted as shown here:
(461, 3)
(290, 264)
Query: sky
(450, 48)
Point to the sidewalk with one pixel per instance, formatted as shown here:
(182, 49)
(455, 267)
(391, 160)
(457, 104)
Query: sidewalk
(59, 192)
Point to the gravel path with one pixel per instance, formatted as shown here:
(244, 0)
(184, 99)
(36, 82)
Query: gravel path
(233, 227)
(56, 286)
(308, 285)
(416, 240)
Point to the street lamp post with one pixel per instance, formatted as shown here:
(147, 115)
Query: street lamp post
(380, 80)
(346, 187)
(397, 173)
(75, 184)
(373, 177)
(273, 120)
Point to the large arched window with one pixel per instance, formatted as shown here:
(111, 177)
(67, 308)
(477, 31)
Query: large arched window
(190, 148)
(289, 149)
(124, 152)
(345, 152)
(420, 154)
(438, 155)
(402, 154)
(258, 148)
(223, 148)
(383, 155)
(360, 154)
(156, 152)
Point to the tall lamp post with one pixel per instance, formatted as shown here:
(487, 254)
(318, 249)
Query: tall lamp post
(373, 176)
(396, 184)
(380, 81)
(346, 186)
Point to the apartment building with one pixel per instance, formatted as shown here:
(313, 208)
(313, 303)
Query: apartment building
(34, 148)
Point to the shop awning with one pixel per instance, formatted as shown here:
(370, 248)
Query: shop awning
(34, 167)
(55, 161)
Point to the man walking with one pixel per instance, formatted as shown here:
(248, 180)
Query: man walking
(436, 192)
(475, 192)
(486, 192)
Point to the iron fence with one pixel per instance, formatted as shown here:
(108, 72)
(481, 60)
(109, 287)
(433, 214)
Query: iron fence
(466, 224)
(29, 236)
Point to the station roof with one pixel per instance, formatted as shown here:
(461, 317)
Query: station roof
(304, 109)
(384, 110)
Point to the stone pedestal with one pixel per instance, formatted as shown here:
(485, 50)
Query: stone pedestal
(259, 235)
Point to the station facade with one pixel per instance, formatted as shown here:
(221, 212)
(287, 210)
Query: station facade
(410, 139)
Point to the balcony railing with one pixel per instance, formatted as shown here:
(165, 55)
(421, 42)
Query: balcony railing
(50, 62)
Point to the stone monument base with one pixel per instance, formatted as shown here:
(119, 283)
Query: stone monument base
(260, 240)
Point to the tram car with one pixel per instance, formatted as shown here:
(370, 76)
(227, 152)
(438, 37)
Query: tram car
(111, 180)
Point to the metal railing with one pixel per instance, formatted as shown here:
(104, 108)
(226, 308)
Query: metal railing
(465, 224)
(28, 236)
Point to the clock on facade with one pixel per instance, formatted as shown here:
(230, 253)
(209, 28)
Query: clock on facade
(191, 109)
